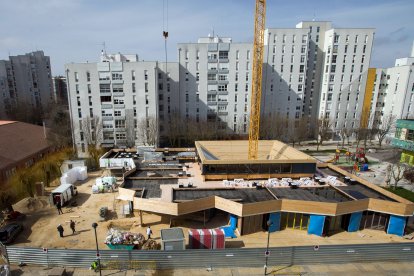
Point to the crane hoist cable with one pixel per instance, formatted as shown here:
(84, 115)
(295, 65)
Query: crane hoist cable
(165, 30)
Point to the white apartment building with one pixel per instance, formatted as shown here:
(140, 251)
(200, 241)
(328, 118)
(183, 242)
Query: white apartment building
(25, 79)
(347, 53)
(394, 91)
(310, 71)
(215, 82)
(121, 90)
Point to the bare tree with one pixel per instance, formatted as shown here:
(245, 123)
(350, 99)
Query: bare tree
(148, 131)
(302, 129)
(324, 127)
(345, 133)
(385, 127)
(130, 128)
(57, 121)
(397, 172)
(92, 131)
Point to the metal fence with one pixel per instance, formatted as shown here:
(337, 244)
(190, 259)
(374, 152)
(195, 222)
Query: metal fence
(241, 257)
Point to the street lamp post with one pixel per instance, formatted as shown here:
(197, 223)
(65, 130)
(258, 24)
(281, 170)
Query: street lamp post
(94, 225)
(269, 223)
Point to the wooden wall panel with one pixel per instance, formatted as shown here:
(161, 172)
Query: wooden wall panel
(156, 206)
(308, 207)
(196, 205)
(229, 206)
(389, 207)
(352, 206)
(263, 207)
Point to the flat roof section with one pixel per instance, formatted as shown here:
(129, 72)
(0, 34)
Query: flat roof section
(152, 187)
(244, 195)
(236, 152)
(309, 194)
(359, 191)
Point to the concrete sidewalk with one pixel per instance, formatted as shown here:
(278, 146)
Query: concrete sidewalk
(380, 268)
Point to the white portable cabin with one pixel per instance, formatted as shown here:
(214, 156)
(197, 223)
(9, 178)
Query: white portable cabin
(63, 193)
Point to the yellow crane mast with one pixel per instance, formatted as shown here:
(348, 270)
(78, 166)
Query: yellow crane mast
(259, 28)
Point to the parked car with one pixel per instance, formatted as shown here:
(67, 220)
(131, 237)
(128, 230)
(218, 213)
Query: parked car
(9, 232)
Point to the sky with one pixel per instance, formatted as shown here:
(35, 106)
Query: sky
(75, 30)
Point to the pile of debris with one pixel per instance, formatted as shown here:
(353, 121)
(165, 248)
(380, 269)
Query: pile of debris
(151, 245)
(116, 236)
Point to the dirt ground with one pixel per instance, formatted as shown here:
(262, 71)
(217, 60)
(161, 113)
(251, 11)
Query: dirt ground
(41, 222)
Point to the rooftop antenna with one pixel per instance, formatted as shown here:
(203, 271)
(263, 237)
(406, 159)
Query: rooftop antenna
(314, 16)
(165, 30)
(104, 47)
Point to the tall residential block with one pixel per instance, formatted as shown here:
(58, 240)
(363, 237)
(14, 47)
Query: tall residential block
(393, 93)
(122, 93)
(25, 80)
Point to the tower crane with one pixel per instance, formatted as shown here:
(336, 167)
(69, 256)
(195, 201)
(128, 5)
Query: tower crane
(258, 49)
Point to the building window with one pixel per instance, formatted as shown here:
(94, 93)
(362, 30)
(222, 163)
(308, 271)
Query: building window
(78, 101)
(133, 75)
(91, 112)
(116, 76)
(76, 77)
(146, 87)
(77, 88)
(145, 75)
(133, 87)
(88, 76)
(117, 113)
(222, 87)
(117, 88)
(79, 113)
(89, 89)
(90, 100)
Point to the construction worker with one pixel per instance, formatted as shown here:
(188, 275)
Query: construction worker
(149, 232)
(72, 226)
(60, 230)
(59, 207)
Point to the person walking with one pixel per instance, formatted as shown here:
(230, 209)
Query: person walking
(59, 207)
(149, 232)
(72, 226)
(60, 230)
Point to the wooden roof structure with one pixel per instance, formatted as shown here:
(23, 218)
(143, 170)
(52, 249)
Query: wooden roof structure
(236, 152)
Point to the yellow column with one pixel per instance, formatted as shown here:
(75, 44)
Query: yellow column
(369, 87)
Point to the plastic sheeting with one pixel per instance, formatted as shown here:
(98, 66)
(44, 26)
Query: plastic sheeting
(396, 225)
(74, 174)
(316, 223)
(274, 219)
(354, 222)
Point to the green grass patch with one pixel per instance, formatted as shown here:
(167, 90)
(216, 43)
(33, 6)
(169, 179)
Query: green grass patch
(402, 193)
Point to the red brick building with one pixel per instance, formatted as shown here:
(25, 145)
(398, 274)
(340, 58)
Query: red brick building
(21, 145)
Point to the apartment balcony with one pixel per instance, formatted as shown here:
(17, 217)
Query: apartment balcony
(211, 92)
(223, 60)
(223, 71)
(108, 141)
(107, 129)
(211, 103)
(120, 117)
(107, 118)
(105, 94)
(106, 106)
(223, 92)
(119, 94)
(105, 81)
(117, 81)
(211, 82)
(403, 144)
(222, 113)
(120, 129)
(223, 82)
(222, 102)
(212, 71)
(212, 60)
(119, 106)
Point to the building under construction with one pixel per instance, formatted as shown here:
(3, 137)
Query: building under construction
(283, 186)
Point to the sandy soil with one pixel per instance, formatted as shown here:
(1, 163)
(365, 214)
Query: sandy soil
(42, 220)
